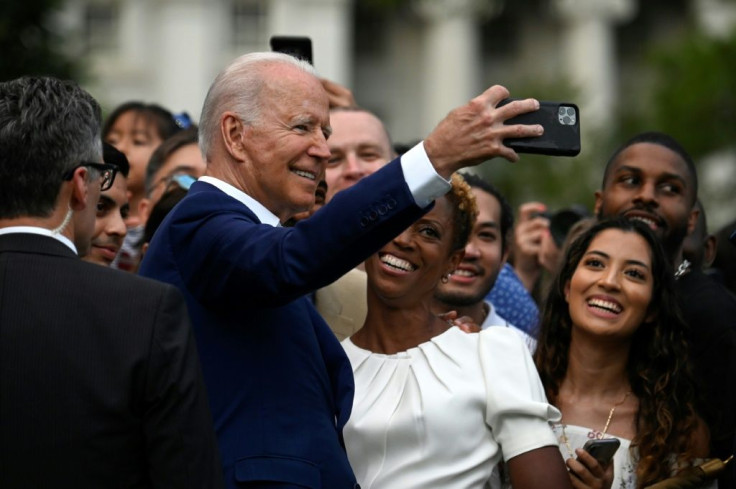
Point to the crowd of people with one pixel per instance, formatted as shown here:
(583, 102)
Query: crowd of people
(280, 296)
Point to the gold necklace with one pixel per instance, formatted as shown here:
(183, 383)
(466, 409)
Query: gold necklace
(593, 434)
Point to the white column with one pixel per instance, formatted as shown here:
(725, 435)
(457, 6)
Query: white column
(716, 17)
(452, 56)
(589, 47)
(327, 23)
(189, 36)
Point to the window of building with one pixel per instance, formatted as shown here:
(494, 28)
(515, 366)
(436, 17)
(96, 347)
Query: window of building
(101, 22)
(249, 24)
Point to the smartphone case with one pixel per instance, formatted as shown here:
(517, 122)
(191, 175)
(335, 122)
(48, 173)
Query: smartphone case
(297, 46)
(561, 122)
(602, 450)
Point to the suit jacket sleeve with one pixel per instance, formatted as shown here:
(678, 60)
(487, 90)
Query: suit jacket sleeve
(229, 259)
(180, 440)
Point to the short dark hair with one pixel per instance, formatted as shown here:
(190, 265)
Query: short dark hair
(661, 139)
(507, 213)
(165, 149)
(47, 127)
(114, 157)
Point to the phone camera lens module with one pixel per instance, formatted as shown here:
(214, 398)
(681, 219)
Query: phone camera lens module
(567, 116)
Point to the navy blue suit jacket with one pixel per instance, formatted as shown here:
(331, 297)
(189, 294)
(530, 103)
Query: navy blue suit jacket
(280, 385)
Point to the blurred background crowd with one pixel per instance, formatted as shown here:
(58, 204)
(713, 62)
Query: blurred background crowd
(630, 65)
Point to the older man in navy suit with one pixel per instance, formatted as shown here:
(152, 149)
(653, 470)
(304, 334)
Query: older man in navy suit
(280, 386)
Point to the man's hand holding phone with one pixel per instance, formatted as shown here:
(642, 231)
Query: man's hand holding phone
(474, 132)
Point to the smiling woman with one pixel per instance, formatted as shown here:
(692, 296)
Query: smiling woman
(434, 406)
(613, 359)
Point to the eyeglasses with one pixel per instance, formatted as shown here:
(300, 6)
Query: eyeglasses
(107, 173)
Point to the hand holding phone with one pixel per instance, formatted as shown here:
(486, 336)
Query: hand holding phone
(602, 450)
(561, 122)
(594, 468)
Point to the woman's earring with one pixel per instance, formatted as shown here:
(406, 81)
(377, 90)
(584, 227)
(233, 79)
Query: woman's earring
(446, 278)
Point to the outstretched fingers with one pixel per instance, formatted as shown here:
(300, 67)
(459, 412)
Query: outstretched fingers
(475, 132)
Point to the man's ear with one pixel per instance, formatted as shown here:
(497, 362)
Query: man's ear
(80, 189)
(233, 135)
(710, 246)
(692, 220)
(598, 202)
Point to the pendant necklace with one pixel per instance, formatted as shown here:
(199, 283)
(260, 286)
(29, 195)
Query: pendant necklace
(682, 269)
(594, 434)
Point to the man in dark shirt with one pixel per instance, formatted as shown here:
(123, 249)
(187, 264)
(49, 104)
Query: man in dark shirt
(653, 179)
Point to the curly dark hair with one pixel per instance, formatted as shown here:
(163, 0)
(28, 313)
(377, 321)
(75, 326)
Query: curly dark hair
(464, 209)
(658, 368)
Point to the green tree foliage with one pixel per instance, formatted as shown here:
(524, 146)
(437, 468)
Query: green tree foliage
(555, 180)
(28, 43)
(694, 93)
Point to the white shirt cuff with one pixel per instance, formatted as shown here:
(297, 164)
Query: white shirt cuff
(425, 184)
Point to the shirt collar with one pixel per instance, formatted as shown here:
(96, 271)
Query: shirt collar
(263, 214)
(40, 231)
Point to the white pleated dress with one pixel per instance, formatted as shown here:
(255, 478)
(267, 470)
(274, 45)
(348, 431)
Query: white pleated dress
(443, 414)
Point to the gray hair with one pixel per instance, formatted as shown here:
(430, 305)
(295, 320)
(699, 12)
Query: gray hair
(47, 127)
(238, 88)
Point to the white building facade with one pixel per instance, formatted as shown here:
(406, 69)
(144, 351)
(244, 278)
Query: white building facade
(410, 63)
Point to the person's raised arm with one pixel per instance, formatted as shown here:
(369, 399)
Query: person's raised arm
(528, 236)
(474, 133)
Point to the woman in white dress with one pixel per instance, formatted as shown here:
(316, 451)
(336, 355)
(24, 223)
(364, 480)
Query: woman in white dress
(613, 358)
(436, 407)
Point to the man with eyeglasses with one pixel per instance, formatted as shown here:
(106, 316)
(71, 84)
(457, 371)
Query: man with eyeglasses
(112, 209)
(99, 377)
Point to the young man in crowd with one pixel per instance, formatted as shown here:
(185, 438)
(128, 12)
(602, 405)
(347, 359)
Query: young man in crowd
(653, 179)
(465, 290)
(112, 210)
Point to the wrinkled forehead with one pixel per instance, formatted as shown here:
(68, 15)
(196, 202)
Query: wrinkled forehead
(284, 83)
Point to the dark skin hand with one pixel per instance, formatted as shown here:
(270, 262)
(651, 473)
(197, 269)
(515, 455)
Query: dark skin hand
(587, 473)
(542, 468)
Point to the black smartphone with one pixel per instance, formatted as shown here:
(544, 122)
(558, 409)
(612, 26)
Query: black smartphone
(561, 122)
(297, 46)
(602, 450)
